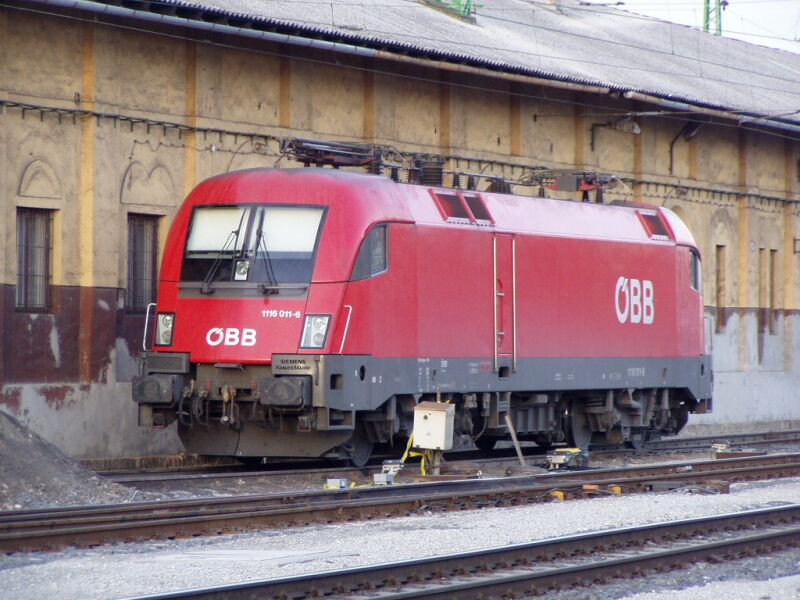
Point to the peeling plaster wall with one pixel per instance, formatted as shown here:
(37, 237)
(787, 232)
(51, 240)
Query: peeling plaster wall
(67, 373)
(88, 420)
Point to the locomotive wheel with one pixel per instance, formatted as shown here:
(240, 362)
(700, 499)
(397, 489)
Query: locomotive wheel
(359, 448)
(579, 434)
(636, 440)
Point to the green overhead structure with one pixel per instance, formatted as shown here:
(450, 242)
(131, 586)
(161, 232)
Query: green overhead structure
(712, 15)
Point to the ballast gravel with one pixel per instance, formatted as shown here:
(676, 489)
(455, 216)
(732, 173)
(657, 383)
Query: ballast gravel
(35, 474)
(125, 570)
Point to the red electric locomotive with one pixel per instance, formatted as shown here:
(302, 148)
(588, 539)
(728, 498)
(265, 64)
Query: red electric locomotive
(305, 312)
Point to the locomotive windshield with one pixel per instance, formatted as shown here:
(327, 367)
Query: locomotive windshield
(263, 244)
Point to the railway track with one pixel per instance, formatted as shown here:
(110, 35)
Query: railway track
(87, 526)
(457, 464)
(149, 475)
(732, 440)
(535, 568)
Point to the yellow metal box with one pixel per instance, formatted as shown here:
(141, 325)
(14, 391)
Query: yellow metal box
(433, 425)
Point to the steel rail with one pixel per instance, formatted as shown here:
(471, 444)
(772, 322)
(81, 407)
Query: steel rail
(706, 442)
(85, 526)
(685, 469)
(537, 567)
(126, 470)
(741, 439)
(142, 478)
(171, 464)
(477, 457)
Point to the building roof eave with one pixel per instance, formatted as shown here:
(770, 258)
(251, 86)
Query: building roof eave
(300, 35)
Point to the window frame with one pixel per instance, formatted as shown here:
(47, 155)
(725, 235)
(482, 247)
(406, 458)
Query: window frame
(695, 271)
(26, 285)
(234, 286)
(363, 267)
(132, 290)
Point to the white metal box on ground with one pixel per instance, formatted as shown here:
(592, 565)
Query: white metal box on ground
(433, 425)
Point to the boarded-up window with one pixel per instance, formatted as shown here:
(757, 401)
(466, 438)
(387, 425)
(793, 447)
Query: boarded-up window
(142, 261)
(34, 246)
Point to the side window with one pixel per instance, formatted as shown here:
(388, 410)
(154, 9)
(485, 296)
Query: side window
(142, 261)
(373, 256)
(34, 248)
(694, 270)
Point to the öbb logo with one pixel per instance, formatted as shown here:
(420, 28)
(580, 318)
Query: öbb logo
(634, 301)
(230, 337)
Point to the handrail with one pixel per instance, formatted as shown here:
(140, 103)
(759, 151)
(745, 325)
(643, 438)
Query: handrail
(146, 322)
(514, 304)
(346, 326)
(494, 300)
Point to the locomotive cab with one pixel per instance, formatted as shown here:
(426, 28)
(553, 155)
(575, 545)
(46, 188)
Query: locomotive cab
(251, 293)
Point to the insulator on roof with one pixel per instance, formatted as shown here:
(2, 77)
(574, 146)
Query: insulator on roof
(395, 174)
(472, 183)
(456, 181)
(499, 186)
(431, 171)
(376, 164)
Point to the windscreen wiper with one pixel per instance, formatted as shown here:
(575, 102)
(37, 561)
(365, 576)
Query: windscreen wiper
(271, 287)
(233, 236)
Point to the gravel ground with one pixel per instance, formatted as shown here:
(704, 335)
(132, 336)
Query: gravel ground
(35, 474)
(134, 569)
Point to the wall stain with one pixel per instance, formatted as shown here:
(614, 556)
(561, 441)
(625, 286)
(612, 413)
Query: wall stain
(11, 398)
(58, 396)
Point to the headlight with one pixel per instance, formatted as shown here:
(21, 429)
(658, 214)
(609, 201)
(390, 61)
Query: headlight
(164, 325)
(315, 331)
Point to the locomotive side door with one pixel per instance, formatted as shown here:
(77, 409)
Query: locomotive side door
(505, 303)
